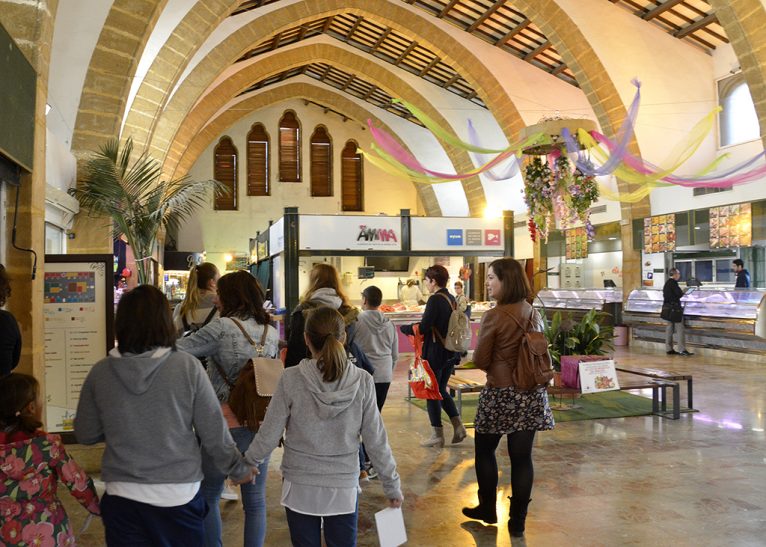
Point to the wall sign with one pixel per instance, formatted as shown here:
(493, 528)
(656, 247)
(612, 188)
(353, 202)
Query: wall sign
(454, 237)
(456, 233)
(341, 233)
(78, 313)
(576, 243)
(731, 226)
(660, 234)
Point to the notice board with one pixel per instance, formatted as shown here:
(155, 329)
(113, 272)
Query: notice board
(78, 313)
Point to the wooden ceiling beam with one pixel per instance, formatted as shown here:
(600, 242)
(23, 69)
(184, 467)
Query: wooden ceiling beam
(537, 51)
(429, 66)
(695, 26)
(660, 9)
(406, 52)
(348, 82)
(451, 81)
(513, 32)
(486, 15)
(353, 28)
(446, 8)
(327, 24)
(381, 38)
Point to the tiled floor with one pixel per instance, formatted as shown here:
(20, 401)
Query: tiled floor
(630, 481)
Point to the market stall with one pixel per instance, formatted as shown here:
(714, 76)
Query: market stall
(579, 301)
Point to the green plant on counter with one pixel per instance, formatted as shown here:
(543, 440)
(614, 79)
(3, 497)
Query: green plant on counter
(589, 336)
(136, 200)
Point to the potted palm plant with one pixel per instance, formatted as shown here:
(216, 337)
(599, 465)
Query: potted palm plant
(134, 197)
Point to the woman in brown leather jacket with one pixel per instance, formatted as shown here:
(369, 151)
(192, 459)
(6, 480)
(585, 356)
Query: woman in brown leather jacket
(504, 409)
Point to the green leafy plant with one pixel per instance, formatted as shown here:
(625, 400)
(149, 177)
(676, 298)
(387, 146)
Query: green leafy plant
(136, 199)
(588, 336)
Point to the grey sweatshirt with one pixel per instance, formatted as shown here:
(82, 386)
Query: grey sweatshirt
(149, 409)
(376, 337)
(323, 422)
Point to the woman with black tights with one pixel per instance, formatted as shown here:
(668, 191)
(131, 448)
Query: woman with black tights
(504, 409)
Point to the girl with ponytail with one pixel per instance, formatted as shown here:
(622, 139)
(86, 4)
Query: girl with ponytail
(198, 306)
(321, 406)
(33, 461)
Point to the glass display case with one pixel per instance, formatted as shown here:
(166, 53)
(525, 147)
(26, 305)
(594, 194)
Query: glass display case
(723, 318)
(579, 301)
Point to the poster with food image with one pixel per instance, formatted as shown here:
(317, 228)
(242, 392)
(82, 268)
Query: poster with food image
(576, 241)
(660, 234)
(597, 376)
(731, 226)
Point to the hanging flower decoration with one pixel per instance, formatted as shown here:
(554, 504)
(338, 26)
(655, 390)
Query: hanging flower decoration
(554, 190)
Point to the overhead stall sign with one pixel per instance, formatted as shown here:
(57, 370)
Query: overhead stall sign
(347, 233)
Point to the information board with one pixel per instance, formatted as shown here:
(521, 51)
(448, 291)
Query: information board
(597, 376)
(78, 314)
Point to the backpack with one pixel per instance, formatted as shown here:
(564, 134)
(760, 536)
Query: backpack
(250, 395)
(458, 337)
(534, 366)
(194, 327)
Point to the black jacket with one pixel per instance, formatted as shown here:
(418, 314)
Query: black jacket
(436, 316)
(10, 343)
(671, 292)
(743, 280)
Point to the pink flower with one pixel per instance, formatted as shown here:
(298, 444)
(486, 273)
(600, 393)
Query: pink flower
(72, 473)
(65, 539)
(38, 535)
(9, 508)
(12, 466)
(30, 486)
(11, 532)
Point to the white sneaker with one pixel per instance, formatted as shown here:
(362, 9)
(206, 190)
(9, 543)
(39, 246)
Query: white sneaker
(229, 493)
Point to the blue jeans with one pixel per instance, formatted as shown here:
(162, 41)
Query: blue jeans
(306, 530)
(253, 497)
(435, 407)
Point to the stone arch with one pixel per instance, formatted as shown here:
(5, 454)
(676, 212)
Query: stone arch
(745, 24)
(307, 53)
(268, 97)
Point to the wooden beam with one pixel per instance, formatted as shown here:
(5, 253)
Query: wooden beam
(660, 9)
(486, 15)
(406, 52)
(451, 81)
(513, 32)
(348, 83)
(537, 51)
(429, 66)
(328, 23)
(446, 9)
(559, 69)
(353, 28)
(696, 26)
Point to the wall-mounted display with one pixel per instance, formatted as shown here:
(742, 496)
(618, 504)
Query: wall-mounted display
(731, 226)
(660, 234)
(576, 243)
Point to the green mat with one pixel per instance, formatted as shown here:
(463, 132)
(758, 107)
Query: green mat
(593, 406)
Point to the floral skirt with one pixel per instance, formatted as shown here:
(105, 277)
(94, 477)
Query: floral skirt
(504, 410)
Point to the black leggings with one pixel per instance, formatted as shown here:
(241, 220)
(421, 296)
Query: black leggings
(522, 470)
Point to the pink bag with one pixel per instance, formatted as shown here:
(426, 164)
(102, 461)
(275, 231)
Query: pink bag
(570, 368)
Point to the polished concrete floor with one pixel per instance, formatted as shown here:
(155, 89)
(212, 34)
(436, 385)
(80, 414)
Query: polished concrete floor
(697, 481)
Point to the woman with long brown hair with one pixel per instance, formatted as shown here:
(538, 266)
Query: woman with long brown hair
(225, 341)
(324, 290)
(503, 408)
(198, 307)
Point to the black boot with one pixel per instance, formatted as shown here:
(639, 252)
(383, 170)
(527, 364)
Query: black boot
(485, 511)
(517, 514)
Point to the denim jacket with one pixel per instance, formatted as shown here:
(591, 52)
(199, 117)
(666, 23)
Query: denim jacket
(222, 340)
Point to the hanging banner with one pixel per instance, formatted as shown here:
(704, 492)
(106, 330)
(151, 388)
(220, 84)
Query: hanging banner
(576, 243)
(731, 226)
(660, 234)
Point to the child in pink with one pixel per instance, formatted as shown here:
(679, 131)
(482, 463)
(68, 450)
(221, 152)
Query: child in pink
(31, 464)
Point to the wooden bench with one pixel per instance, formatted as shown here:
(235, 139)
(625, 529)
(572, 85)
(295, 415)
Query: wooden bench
(459, 385)
(658, 374)
(659, 396)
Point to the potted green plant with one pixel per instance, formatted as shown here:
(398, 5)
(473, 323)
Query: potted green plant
(134, 197)
(587, 337)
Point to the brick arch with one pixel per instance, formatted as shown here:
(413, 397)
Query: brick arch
(114, 61)
(277, 94)
(283, 60)
(745, 24)
(391, 13)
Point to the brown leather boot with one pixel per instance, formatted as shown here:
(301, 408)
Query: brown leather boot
(518, 515)
(486, 509)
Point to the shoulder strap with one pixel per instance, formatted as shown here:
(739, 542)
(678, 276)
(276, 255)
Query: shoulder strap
(250, 340)
(449, 300)
(223, 374)
(529, 321)
(185, 323)
(209, 316)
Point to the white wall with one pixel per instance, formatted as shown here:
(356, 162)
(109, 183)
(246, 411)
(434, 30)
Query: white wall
(220, 232)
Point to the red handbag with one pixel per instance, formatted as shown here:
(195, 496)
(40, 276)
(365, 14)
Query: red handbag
(422, 379)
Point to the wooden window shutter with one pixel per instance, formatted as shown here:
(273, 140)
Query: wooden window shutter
(352, 182)
(258, 161)
(225, 172)
(289, 148)
(321, 163)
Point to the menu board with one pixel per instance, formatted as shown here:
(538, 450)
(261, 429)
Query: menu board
(576, 243)
(731, 226)
(77, 310)
(660, 234)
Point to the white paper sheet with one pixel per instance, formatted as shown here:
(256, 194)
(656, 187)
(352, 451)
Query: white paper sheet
(390, 524)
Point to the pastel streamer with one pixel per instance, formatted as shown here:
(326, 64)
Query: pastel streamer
(513, 167)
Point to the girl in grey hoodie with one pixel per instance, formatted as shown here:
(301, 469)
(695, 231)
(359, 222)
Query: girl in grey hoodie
(321, 406)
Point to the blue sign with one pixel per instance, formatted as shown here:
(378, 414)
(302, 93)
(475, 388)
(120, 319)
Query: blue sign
(454, 237)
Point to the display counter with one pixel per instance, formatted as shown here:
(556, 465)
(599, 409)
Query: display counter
(730, 319)
(580, 301)
(408, 317)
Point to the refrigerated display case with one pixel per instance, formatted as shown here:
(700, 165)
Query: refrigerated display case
(731, 319)
(579, 301)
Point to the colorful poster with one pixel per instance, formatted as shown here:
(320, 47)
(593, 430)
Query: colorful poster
(660, 234)
(731, 226)
(576, 243)
(597, 376)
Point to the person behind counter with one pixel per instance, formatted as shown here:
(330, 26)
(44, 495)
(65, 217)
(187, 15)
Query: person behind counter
(503, 408)
(672, 294)
(433, 327)
(410, 294)
(10, 336)
(743, 276)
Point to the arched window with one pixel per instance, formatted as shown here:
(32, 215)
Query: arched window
(289, 148)
(258, 161)
(225, 171)
(351, 179)
(321, 163)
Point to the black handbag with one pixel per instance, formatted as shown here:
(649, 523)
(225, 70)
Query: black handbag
(672, 312)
